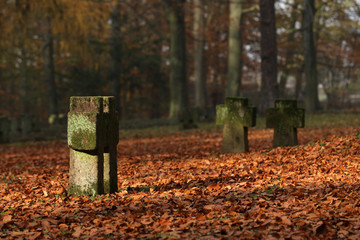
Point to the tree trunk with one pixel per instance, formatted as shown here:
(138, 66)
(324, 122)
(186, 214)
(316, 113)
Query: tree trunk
(24, 84)
(311, 89)
(234, 71)
(299, 80)
(178, 84)
(199, 73)
(283, 81)
(49, 69)
(269, 86)
(116, 57)
(289, 58)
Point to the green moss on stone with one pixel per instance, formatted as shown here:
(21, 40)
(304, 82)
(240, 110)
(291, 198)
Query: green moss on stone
(82, 132)
(86, 104)
(84, 140)
(109, 104)
(107, 188)
(89, 190)
(236, 116)
(84, 173)
(285, 118)
(92, 125)
(236, 111)
(288, 116)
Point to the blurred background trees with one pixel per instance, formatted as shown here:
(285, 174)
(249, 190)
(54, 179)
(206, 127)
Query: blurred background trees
(157, 57)
(269, 86)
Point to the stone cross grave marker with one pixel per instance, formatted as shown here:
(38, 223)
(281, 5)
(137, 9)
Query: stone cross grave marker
(5, 128)
(25, 126)
(188, 118)
(93, 134)
(236, 116)
(14, 129)
(285, 118)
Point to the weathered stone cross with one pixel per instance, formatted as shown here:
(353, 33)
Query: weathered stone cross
(285, 118)
(93, 134)
(236, 116)
(4, 129)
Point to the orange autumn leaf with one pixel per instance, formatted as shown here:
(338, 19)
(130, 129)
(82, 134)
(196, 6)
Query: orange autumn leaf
(306, 191)
(6, 219)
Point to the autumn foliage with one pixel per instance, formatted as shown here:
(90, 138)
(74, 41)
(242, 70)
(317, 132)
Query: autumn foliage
(180, 186)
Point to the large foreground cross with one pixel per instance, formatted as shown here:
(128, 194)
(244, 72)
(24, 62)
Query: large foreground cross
(236, 116)
(285, 118)
(93, 134)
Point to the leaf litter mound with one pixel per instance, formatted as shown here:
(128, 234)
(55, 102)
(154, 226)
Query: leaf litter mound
(182, 187)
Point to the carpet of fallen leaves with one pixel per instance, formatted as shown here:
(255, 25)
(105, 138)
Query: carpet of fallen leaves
(181, 187)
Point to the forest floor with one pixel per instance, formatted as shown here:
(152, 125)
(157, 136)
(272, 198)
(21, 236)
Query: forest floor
(180, 186)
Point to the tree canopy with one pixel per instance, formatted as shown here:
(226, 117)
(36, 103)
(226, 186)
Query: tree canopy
(83, 52)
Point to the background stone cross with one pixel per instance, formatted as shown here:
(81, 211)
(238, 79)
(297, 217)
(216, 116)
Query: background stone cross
(285, 118)
(4, 129)
(93, 134)
(236, 116)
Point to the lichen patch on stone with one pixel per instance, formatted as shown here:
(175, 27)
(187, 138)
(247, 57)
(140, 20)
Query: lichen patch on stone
(82, 131)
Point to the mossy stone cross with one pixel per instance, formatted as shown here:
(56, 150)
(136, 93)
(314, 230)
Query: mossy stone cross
(285, 118)
(93, 134)
(237, 117)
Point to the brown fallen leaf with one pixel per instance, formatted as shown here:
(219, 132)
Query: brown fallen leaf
(6, 219)
(33, 235)
(286, 220)
(302, 192)
(63, 226)
(45, 193)
(45, 224)
(77, 232)
(201, 217)
(33, 224)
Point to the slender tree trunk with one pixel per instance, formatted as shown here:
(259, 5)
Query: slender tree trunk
(311, 89)
(116, 57)
(24, 84)
(178, 84)
(234, 71)
(283, 81)
(199, 73)
(299, 80)
(269, 86)
(49, 69)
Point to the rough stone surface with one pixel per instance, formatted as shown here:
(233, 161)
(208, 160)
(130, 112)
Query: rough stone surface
(82, 130)
(93, 134)
(84, 170)
(237, 117)
(285, 118)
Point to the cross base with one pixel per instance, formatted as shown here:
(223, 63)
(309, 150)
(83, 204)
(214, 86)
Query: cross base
(235, 139)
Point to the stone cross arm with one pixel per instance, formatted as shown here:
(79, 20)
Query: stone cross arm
(91, 121)
(287, 117)
(236, 111)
